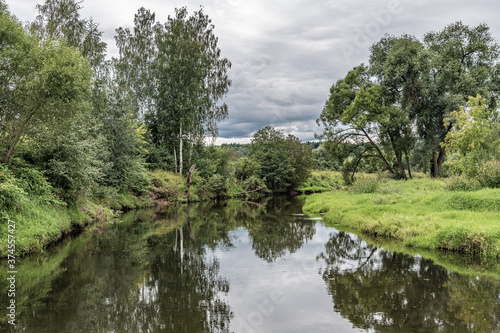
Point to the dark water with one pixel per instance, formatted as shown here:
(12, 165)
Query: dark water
(243, 267)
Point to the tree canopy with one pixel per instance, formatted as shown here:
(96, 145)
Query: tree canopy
(284, 162)
(403, 97)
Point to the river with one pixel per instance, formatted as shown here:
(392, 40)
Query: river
(245, 267)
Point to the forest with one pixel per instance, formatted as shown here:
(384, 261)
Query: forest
(83, 136)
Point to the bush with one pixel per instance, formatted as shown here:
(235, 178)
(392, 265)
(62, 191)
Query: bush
(217, 185)
(36, 186)
(285, 162)
(489, 174)
(462, 183)
(11, 195)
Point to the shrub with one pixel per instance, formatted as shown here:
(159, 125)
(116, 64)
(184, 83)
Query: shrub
(489, 174)
(11, 194)
(214, 187)
(462, 183)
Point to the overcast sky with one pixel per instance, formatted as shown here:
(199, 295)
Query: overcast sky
(286, 54)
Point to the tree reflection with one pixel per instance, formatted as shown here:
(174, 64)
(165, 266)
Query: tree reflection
(390, 292)
(277, 231)
(475, 302)
(136, 280)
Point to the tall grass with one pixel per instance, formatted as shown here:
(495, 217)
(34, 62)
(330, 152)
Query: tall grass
(420, 213)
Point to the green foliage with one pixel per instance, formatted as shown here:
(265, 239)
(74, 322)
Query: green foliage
(358, 111)
(217, 185)
(469, 136)
(12, 196)
(160, 158)
(323, 159)
(247, 168)
(403, 97)
(177, 77)
(241, 149)
(462, 183)
(285, 162)
(253, 183)
(43, 89)
(489, 174)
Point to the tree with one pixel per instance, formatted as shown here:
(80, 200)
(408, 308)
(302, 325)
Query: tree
(463, 63)
(134, 68)
(470, 137)
(192, 79)
(361, 118)
(44, 86)
(285, 162)
(404, 96)
(60, 19)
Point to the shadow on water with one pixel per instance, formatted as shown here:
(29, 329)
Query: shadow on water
(160, 271)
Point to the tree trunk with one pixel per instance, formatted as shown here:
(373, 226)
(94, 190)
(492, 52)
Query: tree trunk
(180, 148)
(437, 163)
(18, 135)
(408, 165)
(440, 161)
(399, 158)
(401, 166)
(175, 159)
(190, 148)
(188, 182)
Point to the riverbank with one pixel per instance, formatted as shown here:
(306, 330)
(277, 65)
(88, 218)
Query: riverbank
(420, 213)
(41, 222)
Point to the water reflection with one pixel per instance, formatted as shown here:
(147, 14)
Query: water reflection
(390, 292)
(278, 233)
(216, 267)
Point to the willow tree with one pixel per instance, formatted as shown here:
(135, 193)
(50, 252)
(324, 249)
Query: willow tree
(464, 62)
(191, 80)
(362, 121)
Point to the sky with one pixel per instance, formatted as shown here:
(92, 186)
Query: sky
(286, 54)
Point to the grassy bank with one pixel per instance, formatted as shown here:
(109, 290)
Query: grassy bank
(420, 213)
(321, 181)
(41, 219)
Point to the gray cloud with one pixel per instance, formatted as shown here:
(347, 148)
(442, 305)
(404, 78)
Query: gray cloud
(287, 54)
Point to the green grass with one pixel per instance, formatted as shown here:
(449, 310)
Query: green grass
(38, 225)
(420, 213)
(321, 181)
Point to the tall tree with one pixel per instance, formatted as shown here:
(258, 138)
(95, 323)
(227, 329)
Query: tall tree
(399, 64)
(410, 88)
(134, 68)
(60, 19)
(192, 79)
(361, 118)
(463, 63)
